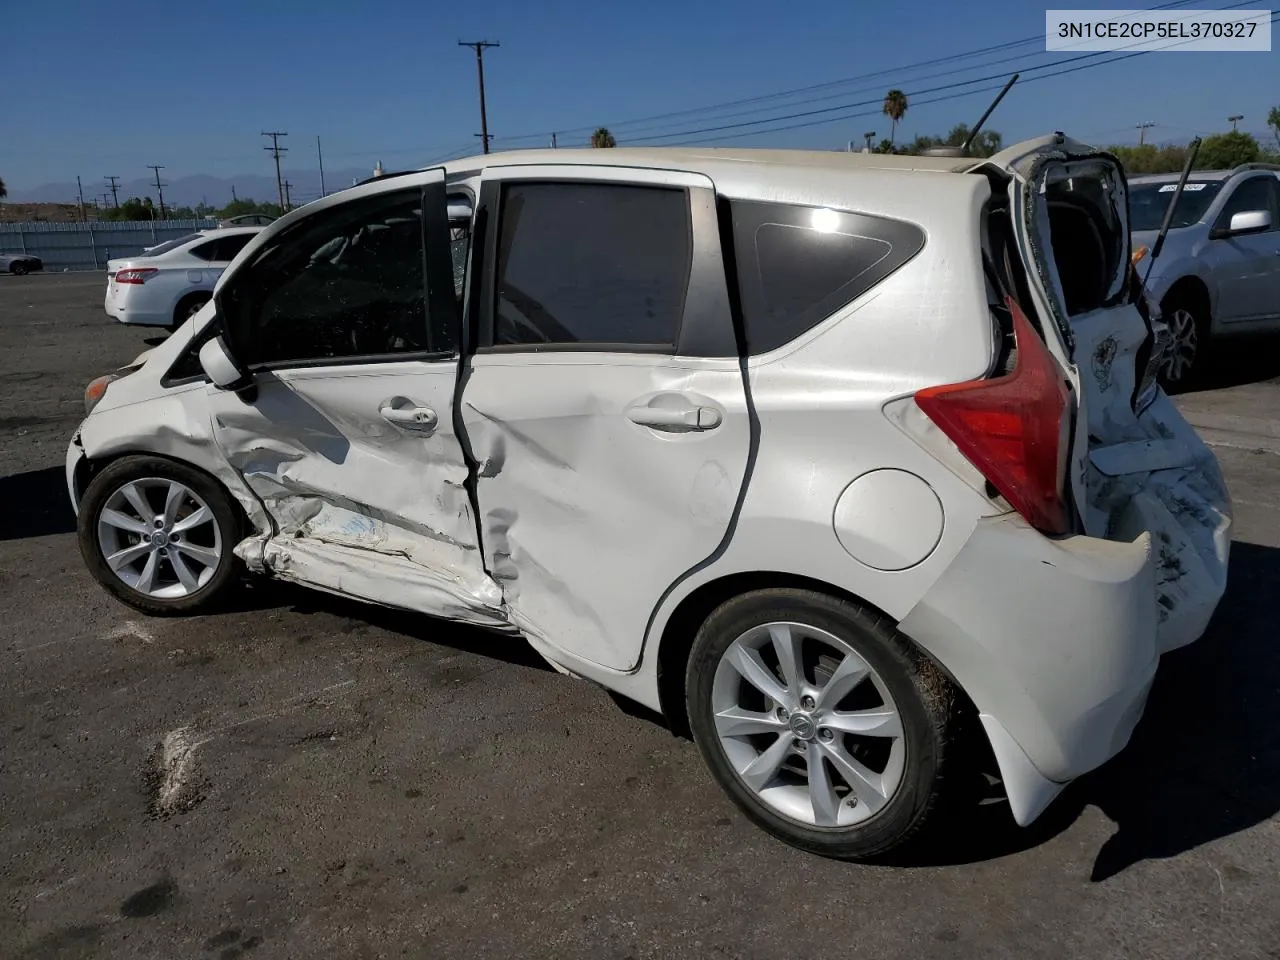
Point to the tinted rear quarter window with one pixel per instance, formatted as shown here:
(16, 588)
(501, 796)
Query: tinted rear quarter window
(591, 263)
(798, 265)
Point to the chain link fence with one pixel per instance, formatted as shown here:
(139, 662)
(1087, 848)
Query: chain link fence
(88, 246)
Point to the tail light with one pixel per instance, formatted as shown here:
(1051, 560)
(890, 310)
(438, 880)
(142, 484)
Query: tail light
(1014, 429)
(135, 274)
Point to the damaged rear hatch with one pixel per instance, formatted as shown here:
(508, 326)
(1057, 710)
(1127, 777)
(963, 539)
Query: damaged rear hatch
(1135, 465)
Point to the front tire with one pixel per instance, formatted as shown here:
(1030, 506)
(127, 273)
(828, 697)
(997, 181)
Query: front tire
(18, 269)
(158, 534)
(1185, 357)
(819, 720)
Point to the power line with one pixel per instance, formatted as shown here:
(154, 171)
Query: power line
(276, 150)
(917, 93)
(480, 46)
(159, 186)
(1142, 130)
(878, 74)
(942, 99)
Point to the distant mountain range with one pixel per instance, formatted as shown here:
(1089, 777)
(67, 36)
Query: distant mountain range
(188, 191)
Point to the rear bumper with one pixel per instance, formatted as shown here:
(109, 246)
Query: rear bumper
(138, 318)
(1056, 642)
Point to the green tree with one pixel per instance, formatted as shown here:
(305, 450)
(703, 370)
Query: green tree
(1226, 150)
(131, 209)
(242, 205)
(895, 108)
(4, 191)
(603, 138)
(1273, 121)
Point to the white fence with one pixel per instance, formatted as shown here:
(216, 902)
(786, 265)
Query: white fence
(88, 246)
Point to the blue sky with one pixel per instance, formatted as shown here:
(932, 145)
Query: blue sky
(191, 86)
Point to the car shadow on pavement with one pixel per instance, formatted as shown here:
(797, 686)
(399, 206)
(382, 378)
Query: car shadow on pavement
(1236, 361)
(40, 506)
(263, 594)
(1203, 764)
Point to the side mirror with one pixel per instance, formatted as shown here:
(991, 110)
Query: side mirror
(1246, 221)
(220, 367)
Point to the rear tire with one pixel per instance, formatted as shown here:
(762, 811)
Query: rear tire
(1186, 356)
(158, 534)
(187, 308)
(847, 760)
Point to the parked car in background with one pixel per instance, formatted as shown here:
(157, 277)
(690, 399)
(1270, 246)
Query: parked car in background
(837, 460)
(20, 264)
(171, 281)
(1219, 271)
(247, 220)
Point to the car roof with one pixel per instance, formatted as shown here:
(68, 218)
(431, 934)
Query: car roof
(230, 231)
(695, 158)
(1173, 177)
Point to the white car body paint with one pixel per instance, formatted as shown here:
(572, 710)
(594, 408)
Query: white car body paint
(593, 528)
(178, 274)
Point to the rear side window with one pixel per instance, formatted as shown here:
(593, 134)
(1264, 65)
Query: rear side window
(591, 263)
(1256, 193)
(798, 265)
(228, 247)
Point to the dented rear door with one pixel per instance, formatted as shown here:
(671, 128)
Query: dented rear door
(605, 404)
(348, 321)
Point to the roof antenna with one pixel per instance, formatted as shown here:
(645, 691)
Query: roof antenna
(963, 149)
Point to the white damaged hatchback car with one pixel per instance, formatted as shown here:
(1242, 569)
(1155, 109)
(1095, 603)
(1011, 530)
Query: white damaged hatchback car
(819, 454)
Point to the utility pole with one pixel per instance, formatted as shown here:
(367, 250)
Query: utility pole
(159, 186)
(320, 157)
(868, 136)
(1234, 121)
(479, 47)
(106, 200)
(234, 198)
(80, 190)
(1142, 130)
(553, 141)
(287, 202)
(115, 200)
(276, 150)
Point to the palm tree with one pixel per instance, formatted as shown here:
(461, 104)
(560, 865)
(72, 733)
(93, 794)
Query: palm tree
(895, 108)
(603, 138)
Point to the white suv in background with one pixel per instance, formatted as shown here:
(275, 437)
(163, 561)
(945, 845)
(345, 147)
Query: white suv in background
(834, 459)
(166, 284)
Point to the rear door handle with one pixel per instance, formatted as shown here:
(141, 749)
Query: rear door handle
(404, 413)
(675, 418)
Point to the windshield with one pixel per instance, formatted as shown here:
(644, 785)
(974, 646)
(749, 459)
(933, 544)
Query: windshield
(170, 245)
(1149, 201)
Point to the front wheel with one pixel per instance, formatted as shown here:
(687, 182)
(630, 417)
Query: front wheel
(821, 721)
(18, 269)
(159, 534)
(1184, 357)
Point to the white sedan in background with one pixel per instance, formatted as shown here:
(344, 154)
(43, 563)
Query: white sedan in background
(171, 281)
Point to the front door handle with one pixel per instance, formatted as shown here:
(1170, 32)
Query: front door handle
(680, 418)
(404, 413)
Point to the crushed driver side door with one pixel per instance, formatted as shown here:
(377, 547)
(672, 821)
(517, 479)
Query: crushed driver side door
(346, 320)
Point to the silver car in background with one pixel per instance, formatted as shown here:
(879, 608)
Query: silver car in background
(1219, 270)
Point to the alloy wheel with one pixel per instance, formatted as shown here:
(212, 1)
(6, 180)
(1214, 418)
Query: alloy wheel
(1184, 344)
(159, 537)
(808, 725)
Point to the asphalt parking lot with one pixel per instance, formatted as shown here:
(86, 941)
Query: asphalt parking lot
(305, 777)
